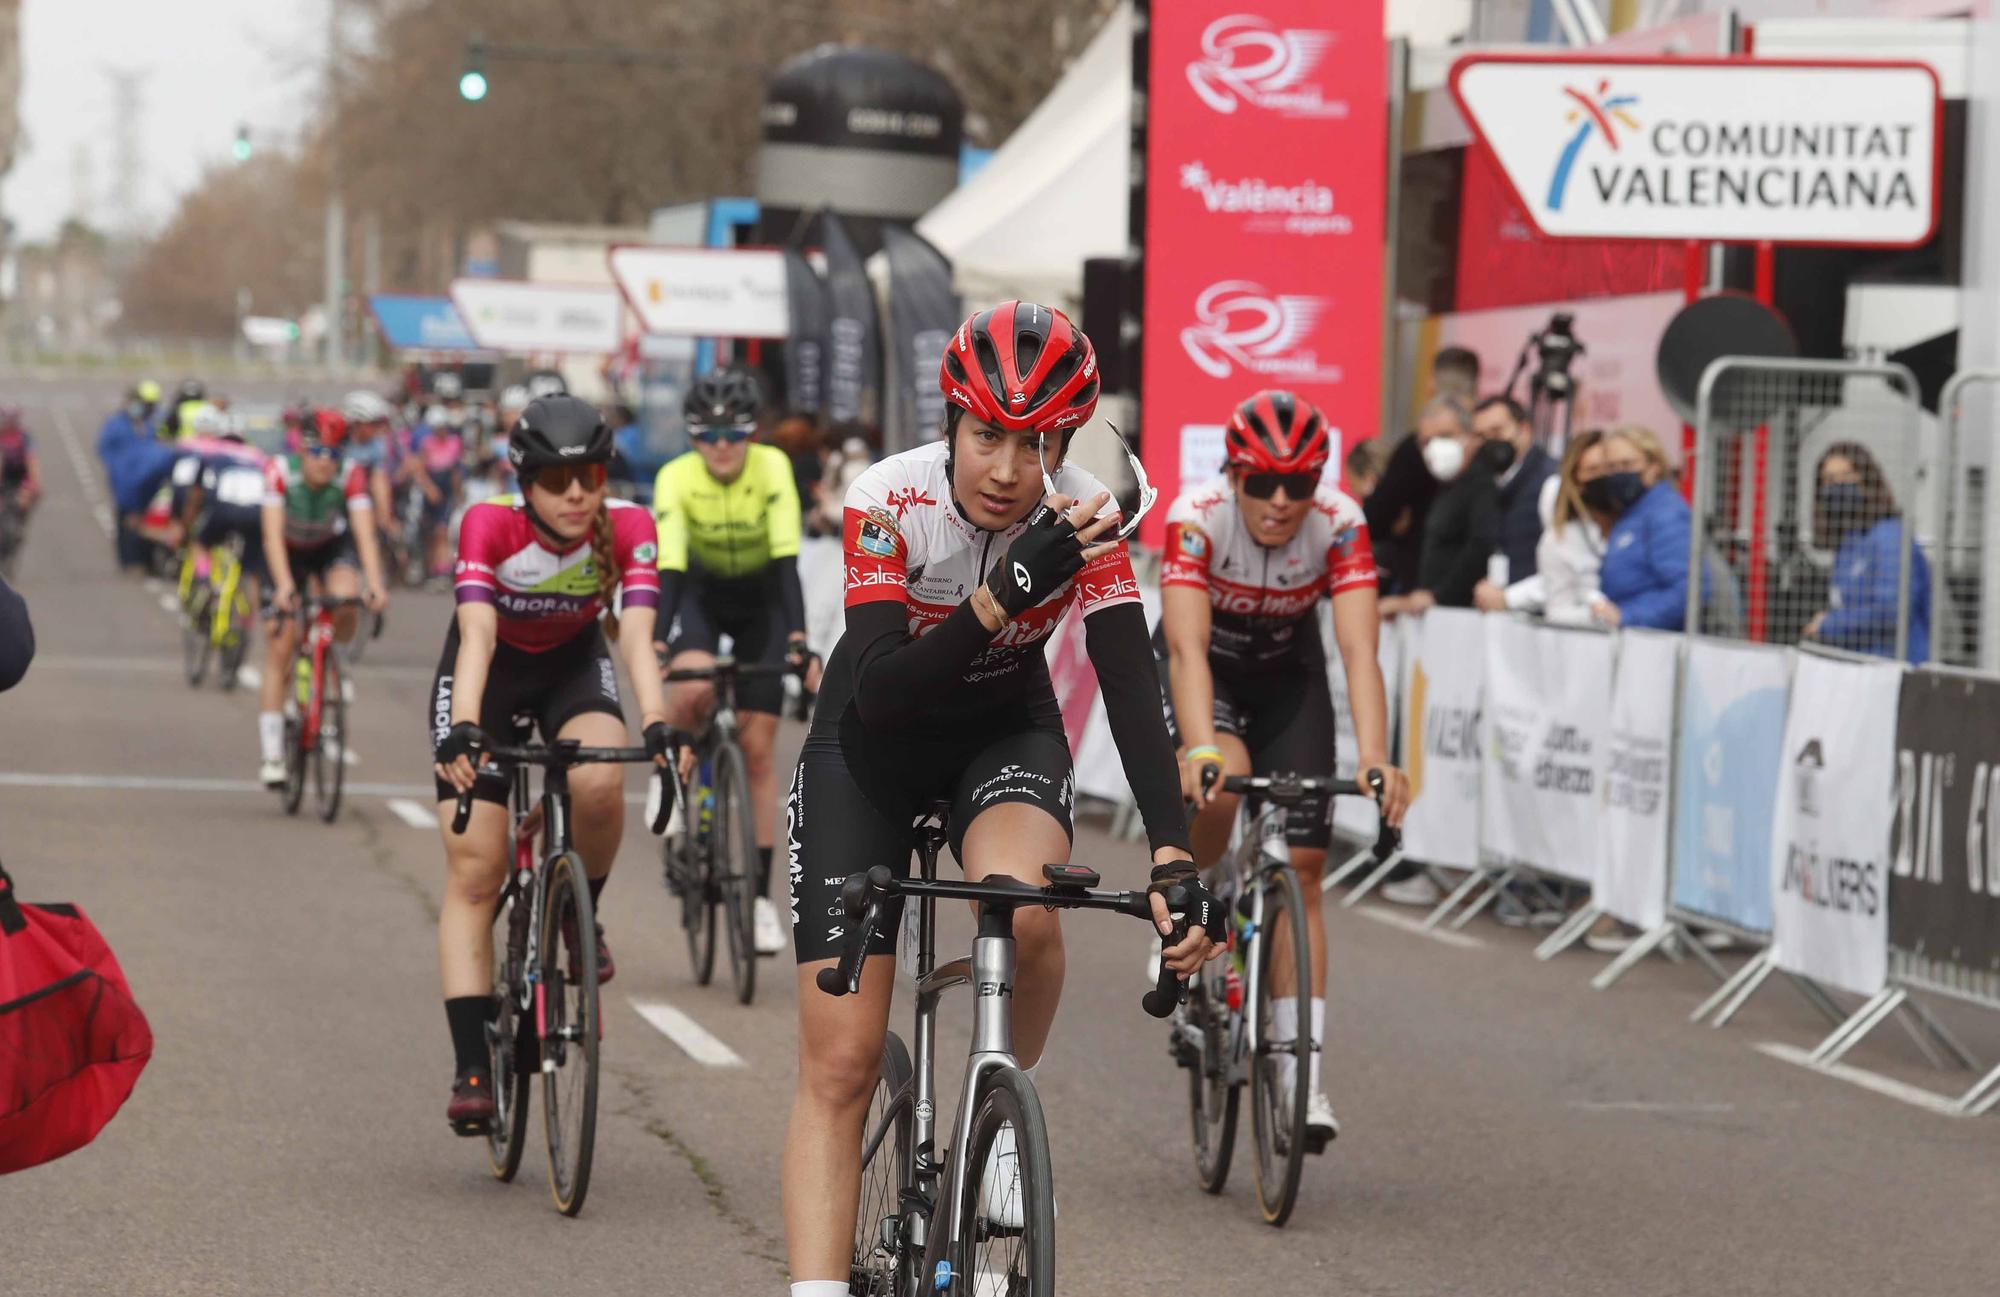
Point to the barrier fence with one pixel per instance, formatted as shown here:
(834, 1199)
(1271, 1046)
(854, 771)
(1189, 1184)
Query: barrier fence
(1966, 550)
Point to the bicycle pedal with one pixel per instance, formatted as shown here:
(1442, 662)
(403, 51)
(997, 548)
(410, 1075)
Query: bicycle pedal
(1317, 1139)
(469, 1127)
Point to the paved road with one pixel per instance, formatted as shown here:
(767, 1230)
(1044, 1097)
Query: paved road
(1507, 1129)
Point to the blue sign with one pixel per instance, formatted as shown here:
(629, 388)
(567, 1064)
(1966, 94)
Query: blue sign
(1732, 740)
(420, 323)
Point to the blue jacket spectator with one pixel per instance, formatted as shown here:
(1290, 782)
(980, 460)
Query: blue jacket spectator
(1645, 572)
(124, 436)
(1855, 509)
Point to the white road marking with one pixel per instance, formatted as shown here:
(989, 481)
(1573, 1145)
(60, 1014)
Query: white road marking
(169, 605)
(249, 677)
(693, 1038)
(154, 585)
(412, 813)
(1409, 924)
(187, 784)
(93, 490)
(1887, 1086)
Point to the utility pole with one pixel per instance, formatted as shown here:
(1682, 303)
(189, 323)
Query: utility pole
(336, 213)
(128, 158)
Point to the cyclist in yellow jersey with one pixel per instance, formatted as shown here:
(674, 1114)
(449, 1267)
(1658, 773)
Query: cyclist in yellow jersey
(728, 514)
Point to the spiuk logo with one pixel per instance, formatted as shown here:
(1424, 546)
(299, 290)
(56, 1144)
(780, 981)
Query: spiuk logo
(1246, 60)
(1601, 113)
(905, 498)
(1238, 325)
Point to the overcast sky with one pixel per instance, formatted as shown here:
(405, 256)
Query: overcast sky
(214, 63)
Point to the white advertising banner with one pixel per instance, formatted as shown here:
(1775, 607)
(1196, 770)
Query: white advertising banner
(1441, 737)
(1790, 151)
(1830, 838)
(704, 292)
(1631, 882)
(1548, 696)
(1355, 816)
(513, 315)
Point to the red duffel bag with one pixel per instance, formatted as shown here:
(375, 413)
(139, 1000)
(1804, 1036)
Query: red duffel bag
(72, 1042)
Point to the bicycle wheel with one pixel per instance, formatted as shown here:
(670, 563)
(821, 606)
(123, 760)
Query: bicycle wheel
(330, 753)
(1004, 1242)
(1279, 1068)
(195, 641)
(235, 639)
(512, 1076)
(1213, 1094)
(569, 1037)
(883, 1265)
(735, 837)
(686, 860)
(296, 756)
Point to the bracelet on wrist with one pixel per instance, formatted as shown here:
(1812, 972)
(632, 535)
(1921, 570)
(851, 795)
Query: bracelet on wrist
(1205, 752)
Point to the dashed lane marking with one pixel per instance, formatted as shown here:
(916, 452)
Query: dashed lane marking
(169, 605)
(249, 677)
(1887, 1086)
(412, 813)
(1408, 924)
(693, 1038)
(93, 490)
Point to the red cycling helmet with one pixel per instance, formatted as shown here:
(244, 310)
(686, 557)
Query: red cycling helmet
(1277, 432)
(325, 428)
(1022, 367)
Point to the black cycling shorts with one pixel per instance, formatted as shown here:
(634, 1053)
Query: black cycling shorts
(754, 627)
(857, 793)
(546, 690)
(219, 522)
(1285, 718)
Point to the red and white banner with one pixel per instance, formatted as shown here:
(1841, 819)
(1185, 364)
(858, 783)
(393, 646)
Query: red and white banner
(1266, 129)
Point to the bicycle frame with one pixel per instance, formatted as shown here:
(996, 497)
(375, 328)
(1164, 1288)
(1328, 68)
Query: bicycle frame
(529, 873)
(1244, 869)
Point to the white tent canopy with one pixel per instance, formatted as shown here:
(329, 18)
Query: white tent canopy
(1056, 193)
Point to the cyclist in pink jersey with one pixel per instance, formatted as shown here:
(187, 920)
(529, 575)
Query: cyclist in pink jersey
(534, 575)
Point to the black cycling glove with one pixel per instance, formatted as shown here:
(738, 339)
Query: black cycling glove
(1195, 905)
(1041, 558)
(663, 740)
(465, 739)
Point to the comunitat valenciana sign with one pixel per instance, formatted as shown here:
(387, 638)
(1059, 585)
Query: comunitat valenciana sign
(1733, 150)
(704, 292)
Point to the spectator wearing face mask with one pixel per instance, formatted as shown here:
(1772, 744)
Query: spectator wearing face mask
(1571, 548)
(1500, 421)
(1854, 511)
(1399, 506)
(1644, 579)
(1463, 528)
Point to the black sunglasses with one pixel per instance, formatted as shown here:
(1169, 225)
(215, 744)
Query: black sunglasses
(556, 478)
(1299, 486)
(716, 436)
(323, 452)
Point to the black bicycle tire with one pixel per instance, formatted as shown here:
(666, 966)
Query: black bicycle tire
(507, 1137)
(295, 753)
(1278, 1185)
(230, 659)
(1212, 1018)
(195, 644)
(565, 885)
(890, 1133)
(735, 826)
(333, 705)
(1004, 1096)
(697, 912)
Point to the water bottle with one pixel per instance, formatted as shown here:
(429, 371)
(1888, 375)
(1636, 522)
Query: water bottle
(303, 680)
(705, 815)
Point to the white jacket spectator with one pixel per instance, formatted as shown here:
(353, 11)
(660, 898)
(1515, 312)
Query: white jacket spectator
(1566, 563)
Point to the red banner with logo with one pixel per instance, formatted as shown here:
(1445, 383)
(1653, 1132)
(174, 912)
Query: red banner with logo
(1267, 127)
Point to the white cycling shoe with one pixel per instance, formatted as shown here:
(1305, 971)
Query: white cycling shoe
(271, 774)
(1322, 1127)
(769, 933)
(1000, 1184)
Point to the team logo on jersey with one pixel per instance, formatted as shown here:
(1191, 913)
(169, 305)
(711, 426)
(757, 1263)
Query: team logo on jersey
(905, 498)
(1193, 543)
(877, 534)
(645, 551)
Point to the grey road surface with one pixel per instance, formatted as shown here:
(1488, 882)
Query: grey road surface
(1506, 1129)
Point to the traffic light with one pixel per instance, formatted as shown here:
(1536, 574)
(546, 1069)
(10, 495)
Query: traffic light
(472, 82)
(241, 149)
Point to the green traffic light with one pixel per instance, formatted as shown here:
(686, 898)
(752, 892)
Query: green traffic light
(241, 148)
(472, 86)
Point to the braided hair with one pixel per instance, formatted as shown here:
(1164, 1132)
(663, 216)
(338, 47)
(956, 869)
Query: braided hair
(605, 556)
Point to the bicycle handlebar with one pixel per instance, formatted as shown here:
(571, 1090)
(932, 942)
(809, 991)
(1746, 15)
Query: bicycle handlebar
(566, 754)
(730, 667)
(866, 897)
(1291, 790)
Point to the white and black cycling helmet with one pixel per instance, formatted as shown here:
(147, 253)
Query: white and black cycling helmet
(730, 397)
(448, 386)
(546, 382)
(557, 430)
(513, 399)
(365, 407)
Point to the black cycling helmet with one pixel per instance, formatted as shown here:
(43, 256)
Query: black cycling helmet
(724, 398)
(557, 430)
(192, 389)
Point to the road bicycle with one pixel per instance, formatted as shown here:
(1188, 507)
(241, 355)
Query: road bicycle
(215, 611)
(710, 859)
(316, 710)
(956, 1225)
(545, 994)
(1223, 1034)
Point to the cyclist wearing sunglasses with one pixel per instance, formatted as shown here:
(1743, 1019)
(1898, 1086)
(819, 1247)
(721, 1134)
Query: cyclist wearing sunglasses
(728, 518)
(1249, 556)
(535, 572)
(960, 560)
(319, 527)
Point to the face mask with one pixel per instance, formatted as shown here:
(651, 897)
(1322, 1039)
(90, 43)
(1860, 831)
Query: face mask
(1840, 504)
(1444, 457)
(1498, 456)
(1615, 492)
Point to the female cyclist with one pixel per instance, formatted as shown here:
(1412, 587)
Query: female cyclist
(1249, 556)
(958, 566)
(534, 573)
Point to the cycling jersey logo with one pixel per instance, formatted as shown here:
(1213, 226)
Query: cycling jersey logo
(1244, 59)
(1239, 325)
(645, 552)
(877, 534)
(905, 498)
(1021, 579)
(1192, 542)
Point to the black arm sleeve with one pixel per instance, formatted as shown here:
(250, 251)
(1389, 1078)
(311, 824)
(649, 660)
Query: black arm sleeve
(1123, 656)
(672, 583)
(898, 679)
(17, 637)
(784, 574)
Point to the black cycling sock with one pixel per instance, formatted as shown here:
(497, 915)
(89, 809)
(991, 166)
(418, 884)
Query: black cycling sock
(467, 1015)
(596, 890)
(764, 872)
